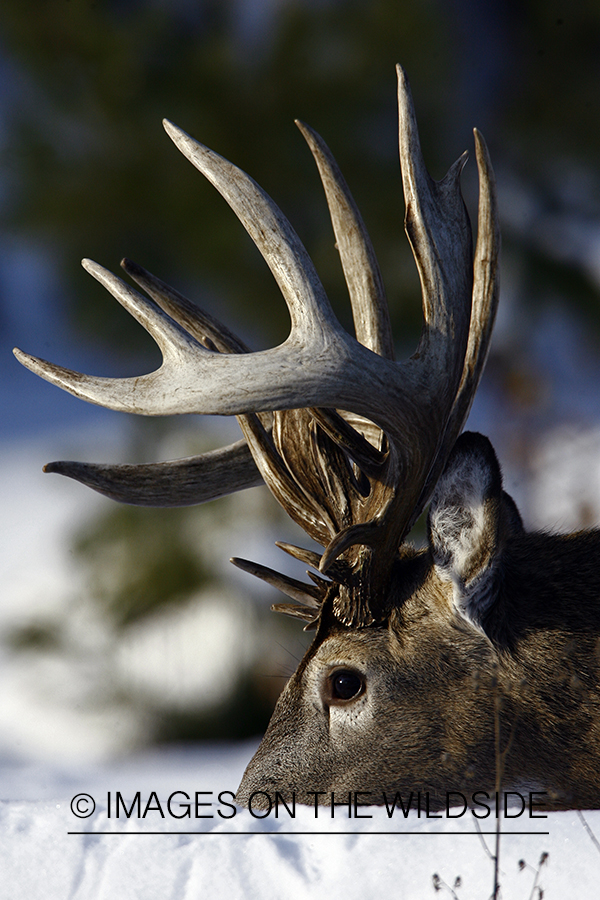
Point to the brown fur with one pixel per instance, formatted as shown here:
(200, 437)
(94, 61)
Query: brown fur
(434, 682)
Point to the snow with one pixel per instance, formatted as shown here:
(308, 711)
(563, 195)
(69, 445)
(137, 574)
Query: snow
(74, 701)
(45, 855)
(40, 703)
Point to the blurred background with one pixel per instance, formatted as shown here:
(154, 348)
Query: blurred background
(123, 627)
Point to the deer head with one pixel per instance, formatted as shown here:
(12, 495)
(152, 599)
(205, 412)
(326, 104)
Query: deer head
(415, 651)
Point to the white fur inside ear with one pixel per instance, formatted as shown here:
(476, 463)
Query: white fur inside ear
(473, 600)
(463, 533)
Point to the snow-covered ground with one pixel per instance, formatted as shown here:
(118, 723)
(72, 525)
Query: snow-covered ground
(48, 853)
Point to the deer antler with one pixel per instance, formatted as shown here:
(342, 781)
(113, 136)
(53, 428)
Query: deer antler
(356, 480)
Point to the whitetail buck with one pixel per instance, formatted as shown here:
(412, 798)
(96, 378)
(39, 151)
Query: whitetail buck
(430, 669)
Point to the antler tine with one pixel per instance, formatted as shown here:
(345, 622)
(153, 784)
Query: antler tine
(181, 482)
(486, 292)
(277, 241)
(308, 594)
(309, 597)
(368, 458)
(122, 394)
(486, 285)
(306, 556)
(202, 326)
(363, 277)
(438, 228)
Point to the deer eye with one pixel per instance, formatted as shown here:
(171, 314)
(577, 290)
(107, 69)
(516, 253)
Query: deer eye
(345, 684)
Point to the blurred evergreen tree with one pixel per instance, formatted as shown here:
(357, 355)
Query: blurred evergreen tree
(91, 171)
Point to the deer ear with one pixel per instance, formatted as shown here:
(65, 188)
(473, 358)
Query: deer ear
(470, 518)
